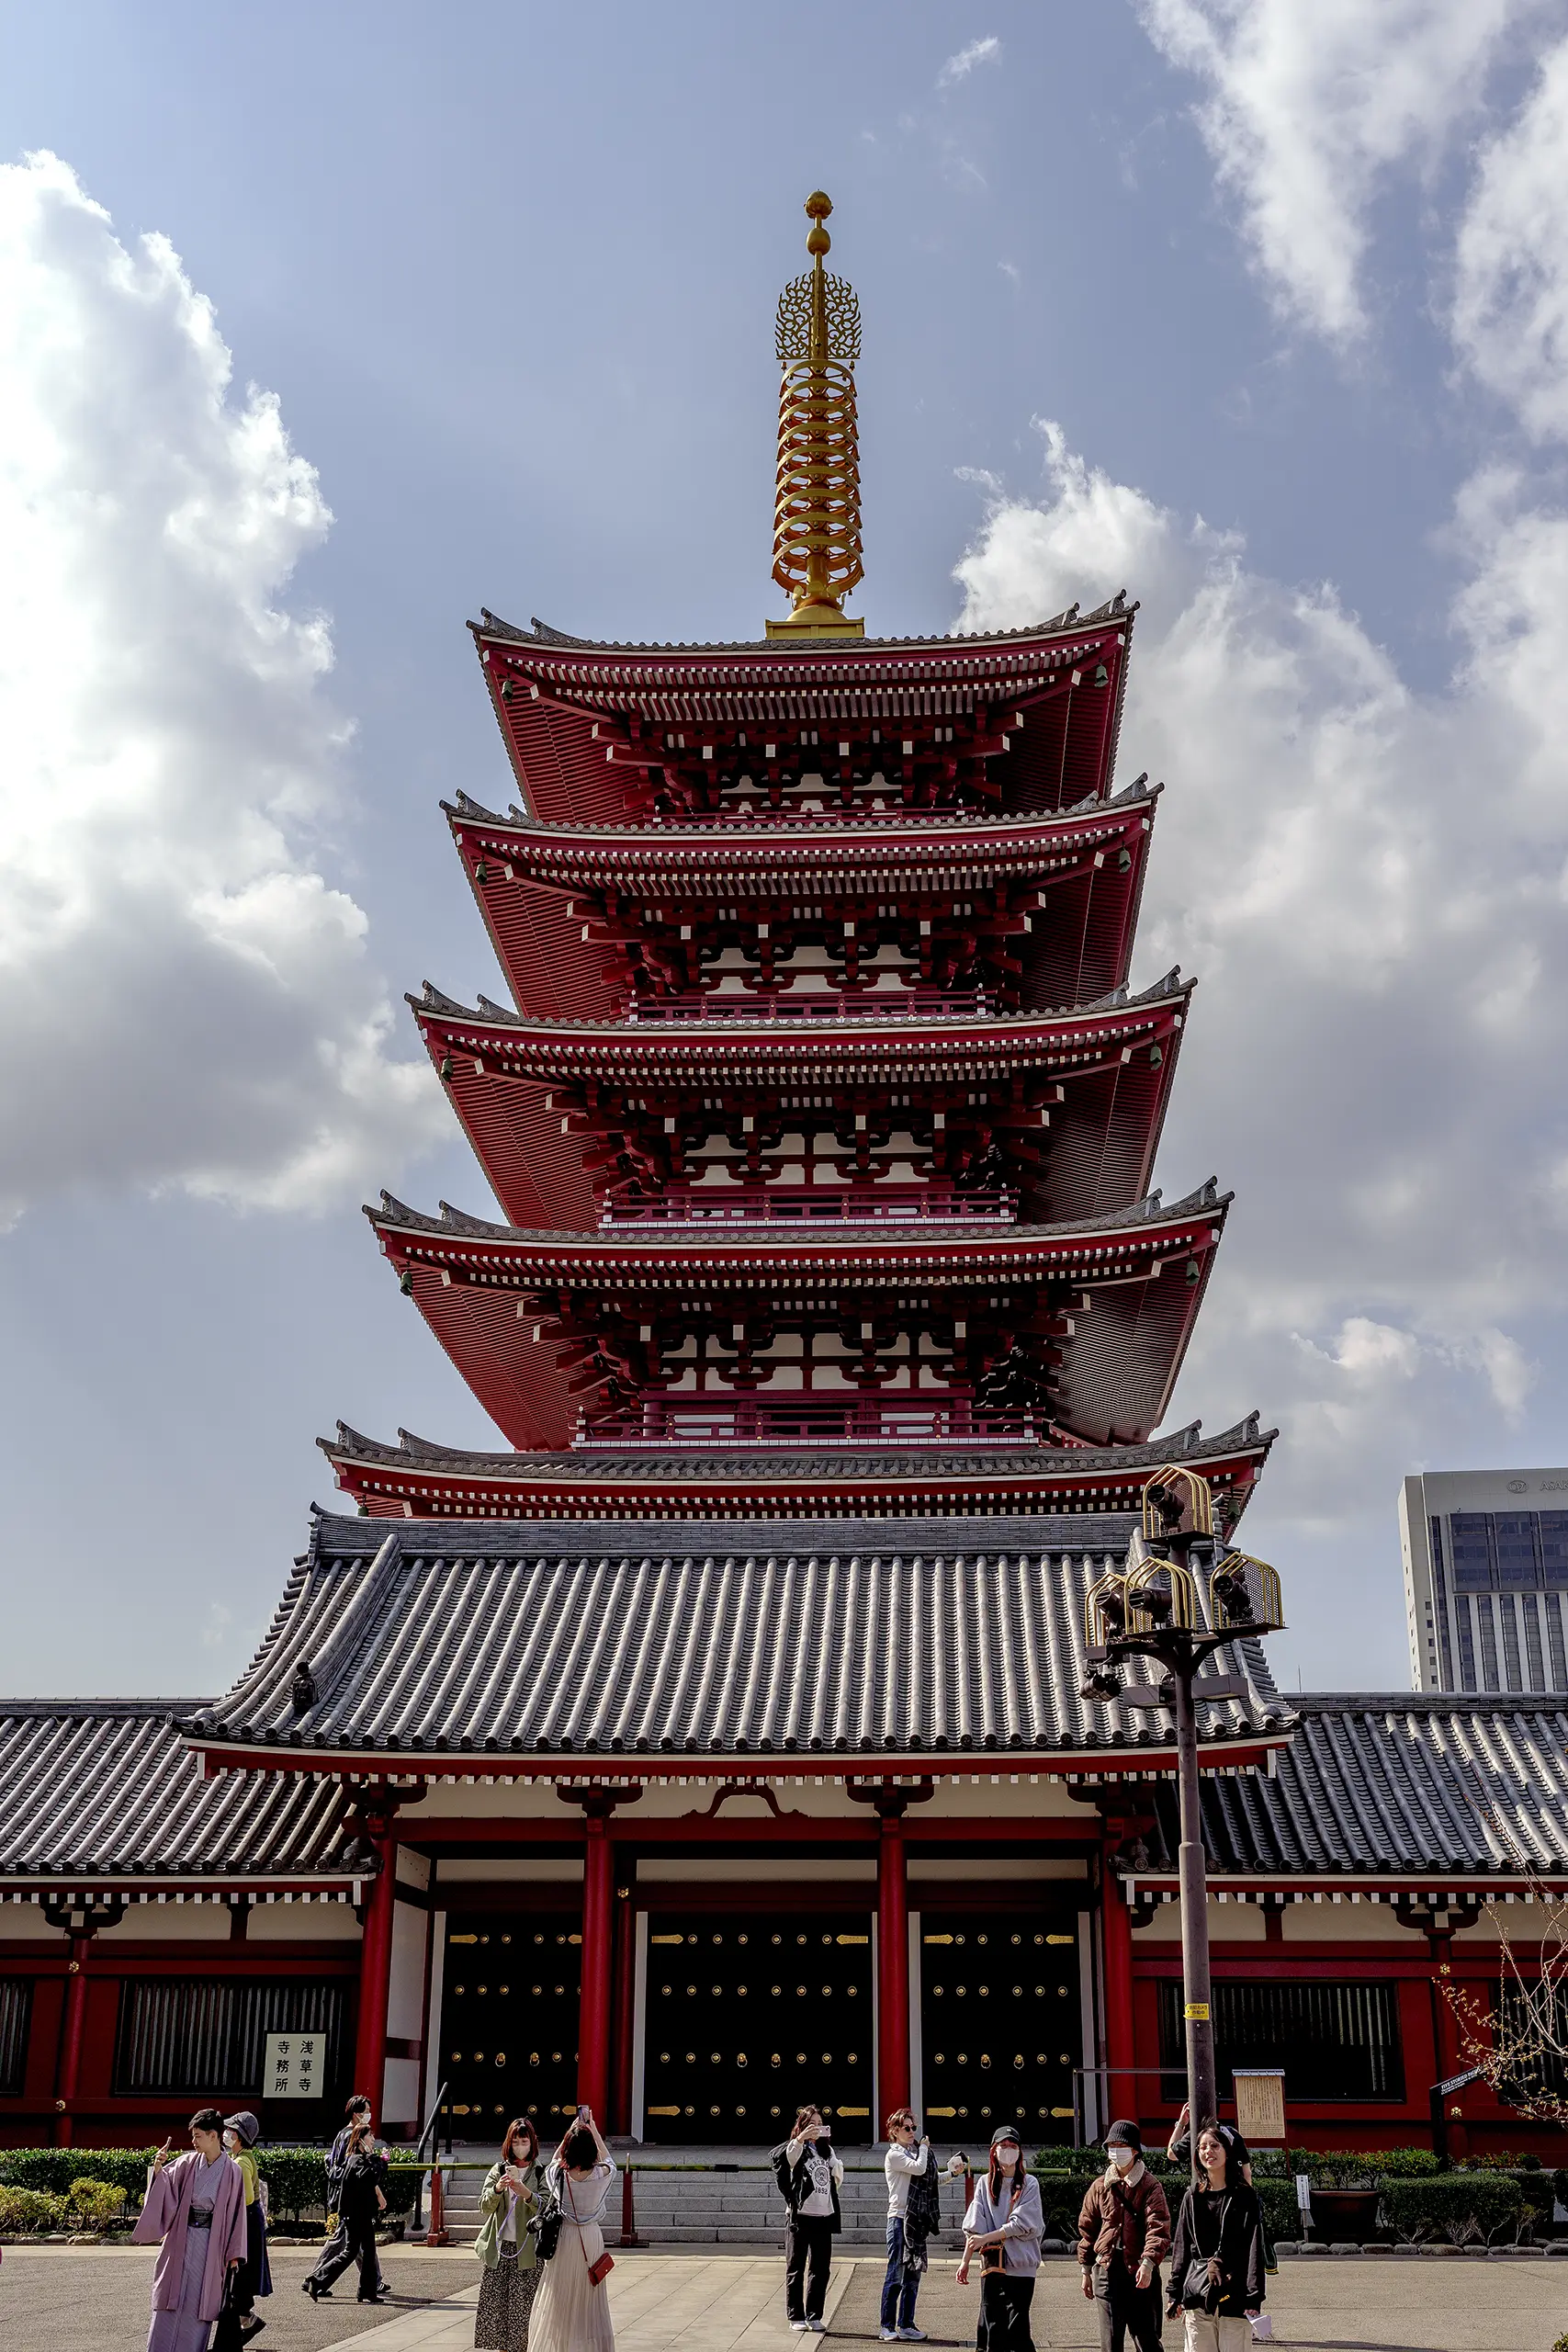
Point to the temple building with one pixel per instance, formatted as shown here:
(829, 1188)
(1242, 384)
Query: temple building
(721, 1737)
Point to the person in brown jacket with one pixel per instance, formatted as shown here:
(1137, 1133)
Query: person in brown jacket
(1124, 2236)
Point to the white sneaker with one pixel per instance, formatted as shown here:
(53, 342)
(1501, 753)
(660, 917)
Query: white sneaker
(817, 2326)
(800, 2325)
(888, 2335)
(911, 2335)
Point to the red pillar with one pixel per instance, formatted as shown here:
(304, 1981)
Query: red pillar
(598, 1947)
(376, 1964)
(73, 2019)
(892, 1970)
(1446, 2033)
(1116, 1928)
(625, 1995)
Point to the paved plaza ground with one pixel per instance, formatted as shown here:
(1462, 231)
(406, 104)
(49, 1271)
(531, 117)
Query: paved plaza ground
(94, 2300)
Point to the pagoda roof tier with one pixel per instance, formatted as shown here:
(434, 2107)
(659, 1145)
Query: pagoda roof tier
(416, 1479)
(624, 1640)
(592, 729)
(558, 1112)
(614, 1297)
(587, 919)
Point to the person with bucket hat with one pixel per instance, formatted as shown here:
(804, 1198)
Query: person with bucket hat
(240, 2133)
(1124, 2236)
(1004, 2226)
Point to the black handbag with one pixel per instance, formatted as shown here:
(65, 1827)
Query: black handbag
(228, 2335)
(548, 2225)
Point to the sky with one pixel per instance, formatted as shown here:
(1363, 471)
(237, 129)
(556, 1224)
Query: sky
(320, 329)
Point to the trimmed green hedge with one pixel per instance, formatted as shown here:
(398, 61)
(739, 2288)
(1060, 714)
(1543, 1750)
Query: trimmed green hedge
(1464, 2207)
(296, 2177)
(1348, 2167)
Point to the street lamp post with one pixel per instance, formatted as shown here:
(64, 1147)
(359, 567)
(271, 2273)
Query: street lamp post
(1150, 1607)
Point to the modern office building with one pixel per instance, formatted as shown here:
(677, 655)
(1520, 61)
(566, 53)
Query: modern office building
(1486, 1578)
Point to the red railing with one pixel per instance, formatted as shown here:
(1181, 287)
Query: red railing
(814, 1004)
(720, 1421)
(852, 1203)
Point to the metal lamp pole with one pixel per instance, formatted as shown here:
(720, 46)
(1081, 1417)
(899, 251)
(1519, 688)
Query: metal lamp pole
(1243, 1599)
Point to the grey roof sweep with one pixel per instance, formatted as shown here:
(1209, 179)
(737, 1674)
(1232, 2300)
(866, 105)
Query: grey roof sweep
(1405, 1783)
(925, 1640)
(107, 1787)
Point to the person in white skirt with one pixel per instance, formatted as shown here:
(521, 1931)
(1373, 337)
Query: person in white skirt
(572, 2312)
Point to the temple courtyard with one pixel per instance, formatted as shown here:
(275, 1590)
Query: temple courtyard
(74, 2299)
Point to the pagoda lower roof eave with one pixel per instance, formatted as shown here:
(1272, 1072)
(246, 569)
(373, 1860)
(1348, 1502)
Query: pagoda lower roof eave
(927, 837)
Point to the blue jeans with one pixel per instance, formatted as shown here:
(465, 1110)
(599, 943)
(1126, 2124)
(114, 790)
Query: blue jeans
(898, 2292)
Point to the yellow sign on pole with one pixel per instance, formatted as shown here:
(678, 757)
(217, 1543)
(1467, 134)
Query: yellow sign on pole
(1196, 2012)
(1260, 2104)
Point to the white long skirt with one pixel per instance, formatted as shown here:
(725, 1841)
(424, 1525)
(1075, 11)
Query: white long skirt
(570, 2314)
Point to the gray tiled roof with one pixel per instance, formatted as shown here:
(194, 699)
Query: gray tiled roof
(543, 637)
(1433, 1783)
(705, 1638)
(90, 1787)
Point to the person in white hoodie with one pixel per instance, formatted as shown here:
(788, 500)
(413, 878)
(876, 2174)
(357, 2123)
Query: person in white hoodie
(905, 2162)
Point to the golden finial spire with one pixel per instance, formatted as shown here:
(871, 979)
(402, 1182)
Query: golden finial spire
(817, 543)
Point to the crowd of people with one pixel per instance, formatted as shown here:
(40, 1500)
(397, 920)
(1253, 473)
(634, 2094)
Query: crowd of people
(544, 2262)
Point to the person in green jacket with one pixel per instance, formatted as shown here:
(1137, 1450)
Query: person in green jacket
(508, 2243)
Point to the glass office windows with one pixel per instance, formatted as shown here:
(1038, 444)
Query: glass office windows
(1512, 1535)
(1553, 1528)
(1470, 1538)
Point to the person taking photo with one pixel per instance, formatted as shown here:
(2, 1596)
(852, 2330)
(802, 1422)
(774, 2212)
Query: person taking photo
(572, 2310)
(808, 2173)
(508, 2246)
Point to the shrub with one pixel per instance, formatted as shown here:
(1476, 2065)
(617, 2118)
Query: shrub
(1281, 2215)
(25, 2211)
(402, 2184)
(98, 2202)
(1348, 2167)
(296, 2180)
(1465, 2207)
(53, 2169)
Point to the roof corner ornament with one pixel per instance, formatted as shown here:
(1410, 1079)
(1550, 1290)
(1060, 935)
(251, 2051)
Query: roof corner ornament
(817, 536)
(302, 1689)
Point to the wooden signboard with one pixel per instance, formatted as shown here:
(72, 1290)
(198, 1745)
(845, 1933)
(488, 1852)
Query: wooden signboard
(1260, 2105)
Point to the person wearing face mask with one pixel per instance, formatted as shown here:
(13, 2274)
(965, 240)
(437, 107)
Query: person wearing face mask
(1124, 2236)
(1004, 2226)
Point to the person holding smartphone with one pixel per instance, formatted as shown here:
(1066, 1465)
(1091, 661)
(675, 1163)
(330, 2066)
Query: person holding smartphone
(808, 2173)
(195, 2206)
(571, 2312)
(512, 2202)
(1004, 2226)
(914, 2211)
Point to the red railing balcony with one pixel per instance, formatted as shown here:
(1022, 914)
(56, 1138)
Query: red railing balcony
(810, 1005)
(712, 1419)
(837, 1204)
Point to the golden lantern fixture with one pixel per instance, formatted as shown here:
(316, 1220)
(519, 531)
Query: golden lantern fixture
(817, 535)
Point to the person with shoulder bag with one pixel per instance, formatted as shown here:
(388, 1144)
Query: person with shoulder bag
(361, 2201)
(512, 2202)
(1216, 2258)
(914, 2215)
(808, 2173)
(1004, 2226)
(1124, 2236)
(571, 2309)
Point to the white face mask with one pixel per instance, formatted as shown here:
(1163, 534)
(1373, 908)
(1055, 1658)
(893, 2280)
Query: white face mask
(1007, 2154)
(1123, 2158)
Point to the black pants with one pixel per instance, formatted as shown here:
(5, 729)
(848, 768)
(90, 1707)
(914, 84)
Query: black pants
(1126, 2309)
(808, 2250)
(354, 2240)
(1004, 2313)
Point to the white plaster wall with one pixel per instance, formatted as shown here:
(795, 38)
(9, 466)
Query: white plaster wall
(539, 1873)
(400, 2093)
(24, 1921)
(1350, 1923)
(1229, 1923)
(405, 1992)
(168, 1923)
(304, 1923)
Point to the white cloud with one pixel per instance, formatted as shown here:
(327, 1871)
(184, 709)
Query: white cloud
(1510, 310)
(1308, 110)
(188, 1001)
(959, 67)
(1369, 883)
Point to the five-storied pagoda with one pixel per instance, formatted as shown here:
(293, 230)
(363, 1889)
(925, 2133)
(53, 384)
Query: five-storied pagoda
(724, 1737)
(824, 1125)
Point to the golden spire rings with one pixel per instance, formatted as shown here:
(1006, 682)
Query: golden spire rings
(817, 535)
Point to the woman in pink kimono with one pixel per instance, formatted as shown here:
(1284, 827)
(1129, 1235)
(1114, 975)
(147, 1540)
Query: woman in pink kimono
(196, 2206)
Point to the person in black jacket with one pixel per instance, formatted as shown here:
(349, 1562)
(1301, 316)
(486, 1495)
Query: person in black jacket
(362, 2200)
(1216, 2256)
(808, 2173)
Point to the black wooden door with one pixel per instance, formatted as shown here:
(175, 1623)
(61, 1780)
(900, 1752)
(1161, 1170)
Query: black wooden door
(509, 2016)
(1000, 2025)
(749, 2017)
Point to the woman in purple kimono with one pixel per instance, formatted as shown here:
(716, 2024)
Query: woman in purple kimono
(196, 2206)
